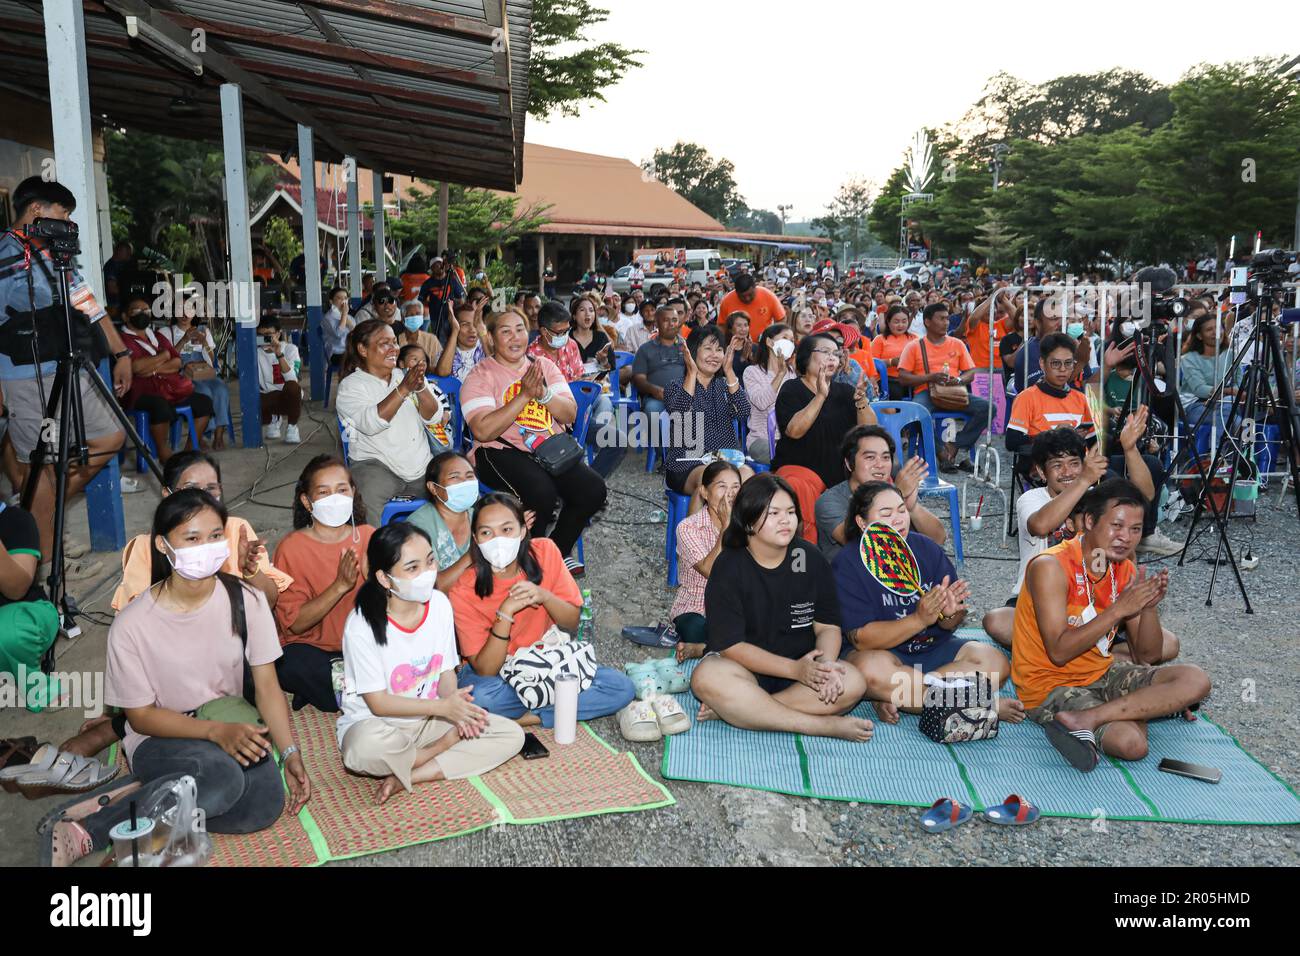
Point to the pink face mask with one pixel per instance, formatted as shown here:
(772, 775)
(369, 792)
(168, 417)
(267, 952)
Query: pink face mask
(199, 562)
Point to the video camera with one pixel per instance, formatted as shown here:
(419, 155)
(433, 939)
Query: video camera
(1267, 272)
(60, 236)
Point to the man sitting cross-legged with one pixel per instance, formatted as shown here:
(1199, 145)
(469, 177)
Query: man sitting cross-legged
(896, 634)
(1047, 516)
(1076, 596)
(772, 659)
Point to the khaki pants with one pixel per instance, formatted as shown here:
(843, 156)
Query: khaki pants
(378, 747)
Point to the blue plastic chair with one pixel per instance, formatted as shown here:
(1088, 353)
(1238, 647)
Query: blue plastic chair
(450, 386)
(882, 375)
(961, 419)
(399, 509)
(329, 369)
(626, 395)
(895, 417)
(678, 506)
(771, 434)
(586, 394)
(141, 422)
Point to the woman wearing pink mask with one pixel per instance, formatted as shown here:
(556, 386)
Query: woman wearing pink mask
(326, 559)
(404, 720)
(191, 662)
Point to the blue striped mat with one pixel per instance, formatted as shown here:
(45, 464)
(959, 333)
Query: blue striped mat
(902, 766)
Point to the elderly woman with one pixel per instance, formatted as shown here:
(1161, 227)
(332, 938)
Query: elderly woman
(386, 431)
(410, 332)
(512, 404)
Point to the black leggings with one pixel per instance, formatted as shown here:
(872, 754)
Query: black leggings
(580, 492)
(305, 672)
(161, 412)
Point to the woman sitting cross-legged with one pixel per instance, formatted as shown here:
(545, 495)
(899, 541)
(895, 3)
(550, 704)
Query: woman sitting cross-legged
(699, 542)
(404, 719)
(189, 661)
(445, 518)
(898, 633)
(326, 558)
(772, 661)
(706, 406)
(516, 588)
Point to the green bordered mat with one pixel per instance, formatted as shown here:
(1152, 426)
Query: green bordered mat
(903, 767)
(341, 820)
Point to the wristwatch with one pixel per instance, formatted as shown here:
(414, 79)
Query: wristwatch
(125, 353)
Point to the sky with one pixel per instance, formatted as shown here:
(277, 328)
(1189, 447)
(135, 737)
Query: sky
(804, 96)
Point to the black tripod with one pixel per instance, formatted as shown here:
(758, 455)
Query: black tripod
(63, 426)
(1267, 360)
(1218, 515)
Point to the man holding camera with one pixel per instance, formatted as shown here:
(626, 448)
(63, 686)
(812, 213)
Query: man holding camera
(28, 290)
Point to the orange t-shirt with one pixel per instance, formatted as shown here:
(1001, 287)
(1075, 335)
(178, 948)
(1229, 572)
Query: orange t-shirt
(952, 352)
(1033, 672)
(888, 347)
(314, 566)
(763, 311)
(864, 358)
(411, 283)
(977, 341)
(474, 615)
(1034, 411)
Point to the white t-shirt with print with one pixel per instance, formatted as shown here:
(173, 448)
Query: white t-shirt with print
(408, 665)
(1030, 545)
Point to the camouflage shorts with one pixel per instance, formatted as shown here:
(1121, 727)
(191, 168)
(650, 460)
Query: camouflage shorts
(1121, 679)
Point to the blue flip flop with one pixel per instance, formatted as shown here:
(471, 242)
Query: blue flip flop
(662, 636)
(1014, 811)
(944, 814)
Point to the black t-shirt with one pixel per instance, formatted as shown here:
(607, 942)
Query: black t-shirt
(770, 608)
(19, 535)
(598, 341)
(819, 448)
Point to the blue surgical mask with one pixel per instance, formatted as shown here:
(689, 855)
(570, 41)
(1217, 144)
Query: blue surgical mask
(413, 323)
(461, 495)
(559, 341)
(1074, 330)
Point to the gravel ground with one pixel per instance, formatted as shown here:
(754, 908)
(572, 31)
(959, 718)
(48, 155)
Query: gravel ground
(714, 825)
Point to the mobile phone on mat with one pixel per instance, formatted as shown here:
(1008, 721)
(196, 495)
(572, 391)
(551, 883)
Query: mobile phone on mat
(533, 748)
(1183, 769)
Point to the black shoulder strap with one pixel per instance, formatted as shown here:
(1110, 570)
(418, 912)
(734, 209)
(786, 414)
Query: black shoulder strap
(239, 625)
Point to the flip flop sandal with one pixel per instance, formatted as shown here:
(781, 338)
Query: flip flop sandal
(662, 636)
(70, 773)
(672, 719)
(673, 677)
(69, 843)
(944, 814)
(42, 759)
(1078, 747)
(637, 723)
(1013, 812)
(93, 803)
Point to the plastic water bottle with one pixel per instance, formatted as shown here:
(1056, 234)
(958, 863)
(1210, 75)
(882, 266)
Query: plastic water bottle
(659, 517)
(586, 618)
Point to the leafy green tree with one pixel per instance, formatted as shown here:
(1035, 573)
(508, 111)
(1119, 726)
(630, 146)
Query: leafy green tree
(477, 219)
(996, 243)
(745, 219)
(284, 244)
(562, 78)
(697, 177)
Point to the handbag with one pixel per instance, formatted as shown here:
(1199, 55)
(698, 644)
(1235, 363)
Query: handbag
(173, 387)
(531, 671)
(558, 453)
(960, 709)
(945, 398)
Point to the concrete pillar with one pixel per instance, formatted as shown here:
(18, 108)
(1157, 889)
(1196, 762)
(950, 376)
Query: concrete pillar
(541, 262)
(311, 260)
(591, 253)
(240, 242)
(377, 218)
(354, 231)
(74, 157)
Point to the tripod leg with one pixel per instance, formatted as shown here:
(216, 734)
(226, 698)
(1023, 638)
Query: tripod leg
(122, 419)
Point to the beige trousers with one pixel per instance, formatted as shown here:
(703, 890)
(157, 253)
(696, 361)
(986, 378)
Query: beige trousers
(378, 747)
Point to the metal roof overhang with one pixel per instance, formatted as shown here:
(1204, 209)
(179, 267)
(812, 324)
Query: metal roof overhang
(432, 88)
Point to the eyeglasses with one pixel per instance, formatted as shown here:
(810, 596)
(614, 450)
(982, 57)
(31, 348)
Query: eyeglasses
(1058, 365)
(826, 351)
(213, 489)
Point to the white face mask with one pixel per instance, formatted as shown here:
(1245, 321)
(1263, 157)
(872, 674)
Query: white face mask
(559, 341)
(783, 348)
(500, 551)
(332, 511)
(417, 590)
(629, 309)
(200, 561)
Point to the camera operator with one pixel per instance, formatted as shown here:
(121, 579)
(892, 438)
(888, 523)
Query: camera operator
(28, 283)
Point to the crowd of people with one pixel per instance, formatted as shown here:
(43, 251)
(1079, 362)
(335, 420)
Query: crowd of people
(406, 628)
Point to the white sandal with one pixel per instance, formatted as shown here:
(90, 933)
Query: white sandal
(637, 723)
(672, 719)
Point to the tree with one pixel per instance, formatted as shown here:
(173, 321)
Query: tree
(997, 244)
(283, 244)
(477, 219)
(563, 81)
(745, 219)
(697, 177)
(846, 215)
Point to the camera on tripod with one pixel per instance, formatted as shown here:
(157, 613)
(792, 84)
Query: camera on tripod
(60, 235)
(1268, 272)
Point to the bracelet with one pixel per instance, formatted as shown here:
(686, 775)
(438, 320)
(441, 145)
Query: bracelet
(498, 636)
(504, 616)
(288, 752)
(547, 395)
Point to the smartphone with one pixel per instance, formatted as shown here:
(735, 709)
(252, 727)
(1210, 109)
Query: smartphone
(601, 374)
(533, 748)
(1194, 770)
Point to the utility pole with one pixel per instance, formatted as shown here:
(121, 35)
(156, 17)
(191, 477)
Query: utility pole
(1000, 151)
(784, 211)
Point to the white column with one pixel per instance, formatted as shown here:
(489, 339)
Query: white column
(246, 302)
(311, 259)
(74, 155)
(377, 217)
(591, 253)
(354, 230)
(541, 264)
